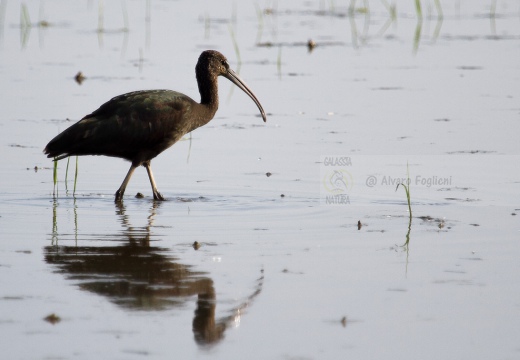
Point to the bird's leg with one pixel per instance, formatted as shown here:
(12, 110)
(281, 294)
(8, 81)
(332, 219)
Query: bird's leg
(156, 194)
(121, 191)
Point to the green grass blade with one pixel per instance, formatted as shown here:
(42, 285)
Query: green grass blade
(55, 176)
(418, 9)
(408, 198)
(67, 174)
(279, 62)
(235, 44)
(75, 177)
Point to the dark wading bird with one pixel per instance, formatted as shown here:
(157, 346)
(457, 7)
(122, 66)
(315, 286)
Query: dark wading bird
(140, 125)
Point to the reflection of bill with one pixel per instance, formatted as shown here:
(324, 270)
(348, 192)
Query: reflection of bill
(338, 181)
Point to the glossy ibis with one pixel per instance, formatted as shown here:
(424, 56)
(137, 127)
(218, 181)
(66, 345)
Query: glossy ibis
(140, 125)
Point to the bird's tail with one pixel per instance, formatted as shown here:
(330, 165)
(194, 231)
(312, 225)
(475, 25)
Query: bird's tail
(62, 145)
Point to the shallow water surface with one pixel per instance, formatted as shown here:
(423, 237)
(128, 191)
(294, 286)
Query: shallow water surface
(284, 240)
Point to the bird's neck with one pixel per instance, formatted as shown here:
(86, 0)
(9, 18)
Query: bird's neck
(208, 89)
(208, 102)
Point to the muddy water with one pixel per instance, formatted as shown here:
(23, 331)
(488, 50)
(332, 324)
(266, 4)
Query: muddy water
(318, 260)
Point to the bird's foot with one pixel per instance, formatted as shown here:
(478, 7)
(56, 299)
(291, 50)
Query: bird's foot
(119, 196)
(158, 196)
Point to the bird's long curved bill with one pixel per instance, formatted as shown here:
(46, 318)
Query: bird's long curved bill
(235, 79)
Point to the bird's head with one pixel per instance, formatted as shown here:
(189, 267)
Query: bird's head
(212, 64)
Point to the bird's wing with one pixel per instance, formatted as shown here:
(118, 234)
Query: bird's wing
(129, 124)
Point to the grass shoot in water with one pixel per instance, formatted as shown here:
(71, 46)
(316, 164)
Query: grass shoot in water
(418, 9)
(76, 177)
(279, 62)
(235, 45)
(408, 198)
(67, 173)
(55, 176)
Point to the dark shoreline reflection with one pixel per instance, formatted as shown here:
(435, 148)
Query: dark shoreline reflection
(140, 277)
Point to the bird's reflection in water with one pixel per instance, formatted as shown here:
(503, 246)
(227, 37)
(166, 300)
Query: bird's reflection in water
(138, 276)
